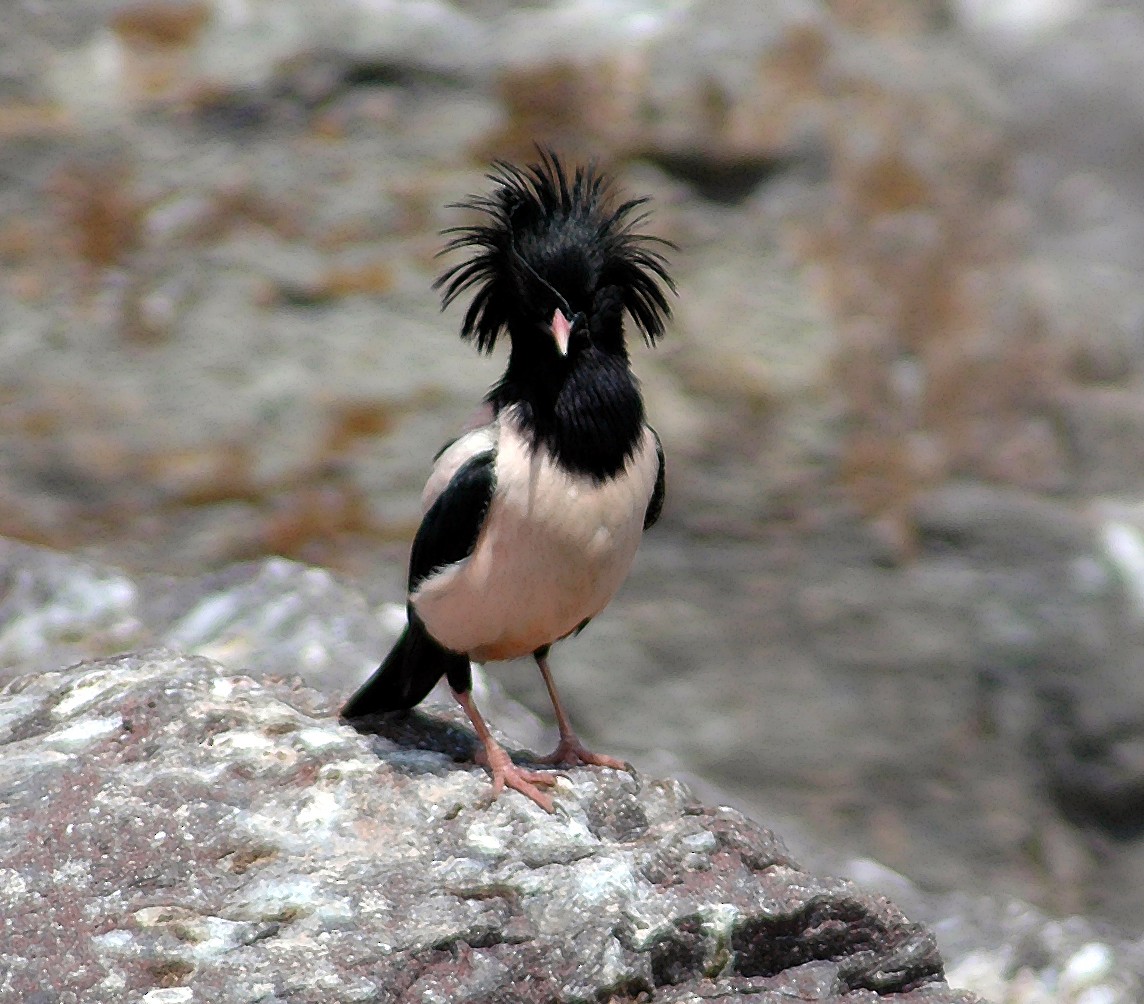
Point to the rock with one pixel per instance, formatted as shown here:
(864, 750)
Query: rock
(170, 826)
(280, 617)
(1107, 423)
(266, 617)
(274, 616)
(1009, 525)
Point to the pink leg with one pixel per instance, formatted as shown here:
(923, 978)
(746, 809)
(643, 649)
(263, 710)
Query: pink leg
(500, 765)
(570, 752)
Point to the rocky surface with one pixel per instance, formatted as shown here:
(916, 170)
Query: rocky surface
(276, 619)
(173, 832)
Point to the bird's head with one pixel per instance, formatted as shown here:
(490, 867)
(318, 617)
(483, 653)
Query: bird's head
(556, 265)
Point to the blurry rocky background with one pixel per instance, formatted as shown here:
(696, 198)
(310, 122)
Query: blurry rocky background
(896, 604)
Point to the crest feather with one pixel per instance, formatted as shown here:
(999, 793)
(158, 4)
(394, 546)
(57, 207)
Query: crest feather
(537, 223)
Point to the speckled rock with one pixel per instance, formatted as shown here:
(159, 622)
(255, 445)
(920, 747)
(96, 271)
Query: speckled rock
(174, 832)
(278, 618)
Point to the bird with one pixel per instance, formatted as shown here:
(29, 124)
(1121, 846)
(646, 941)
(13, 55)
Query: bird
(532, 516)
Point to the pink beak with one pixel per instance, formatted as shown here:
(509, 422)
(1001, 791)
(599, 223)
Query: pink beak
(561, 331)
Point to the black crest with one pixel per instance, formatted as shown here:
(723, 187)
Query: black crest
(552, 240)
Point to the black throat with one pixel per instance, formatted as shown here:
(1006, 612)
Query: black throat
(587, 413)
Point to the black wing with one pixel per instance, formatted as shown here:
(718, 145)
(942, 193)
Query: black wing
(450, 529)
(655, 503)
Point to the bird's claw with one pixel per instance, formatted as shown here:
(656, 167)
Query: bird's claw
(526, 781)
(570, 752)
(507, 774)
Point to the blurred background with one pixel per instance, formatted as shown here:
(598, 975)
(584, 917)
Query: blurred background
(896, 601)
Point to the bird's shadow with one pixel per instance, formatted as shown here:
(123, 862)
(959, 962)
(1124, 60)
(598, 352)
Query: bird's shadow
(439, 732)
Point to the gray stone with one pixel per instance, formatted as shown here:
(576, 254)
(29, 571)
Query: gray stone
(270, 618)
(176, 831)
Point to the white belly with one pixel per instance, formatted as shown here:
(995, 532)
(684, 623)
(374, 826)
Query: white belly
(553, 551)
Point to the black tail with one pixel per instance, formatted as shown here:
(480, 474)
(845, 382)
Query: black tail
(412, 668)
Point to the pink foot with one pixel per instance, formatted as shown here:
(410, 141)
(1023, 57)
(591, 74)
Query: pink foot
(507, 774)
(570, 752)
